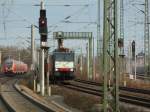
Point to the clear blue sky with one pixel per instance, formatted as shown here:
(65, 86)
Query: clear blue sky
(19, 14)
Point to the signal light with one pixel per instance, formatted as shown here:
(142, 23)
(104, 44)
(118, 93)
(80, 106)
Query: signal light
(133, 49)
(43, 26)
(43, 22)
(120, 42)
(56, 69)
(71, 69)
(133, 46)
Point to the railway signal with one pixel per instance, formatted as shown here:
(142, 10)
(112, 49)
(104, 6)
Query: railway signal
(43, 22)
(120, 42)
(43, 33)
(146, 39)
(43, 30)
(133, 49)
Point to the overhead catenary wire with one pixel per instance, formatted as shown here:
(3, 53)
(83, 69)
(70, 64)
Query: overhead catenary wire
(60, 25)
(55, 26)
(69, 16)
(5, 15)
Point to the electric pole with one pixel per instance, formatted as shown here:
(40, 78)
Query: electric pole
(33, 46)
(121, 28)
(121, 44)
(88, 60)
(98, 30)
(110, 36)
(0, 61)
(99, 39)
(134, 57)
(33, 56)
(81, 66)
(146, 40)
(93, 61)
(47, 74)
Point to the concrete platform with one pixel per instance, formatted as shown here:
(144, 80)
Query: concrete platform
(55, 102)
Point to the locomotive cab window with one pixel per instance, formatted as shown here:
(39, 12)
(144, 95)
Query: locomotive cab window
(64, 56)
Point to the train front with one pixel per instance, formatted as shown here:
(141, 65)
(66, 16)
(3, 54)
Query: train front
(8, 66)
(63, 65)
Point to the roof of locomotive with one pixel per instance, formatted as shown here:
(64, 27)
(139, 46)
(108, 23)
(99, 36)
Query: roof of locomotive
(63, 55)
(63, 50)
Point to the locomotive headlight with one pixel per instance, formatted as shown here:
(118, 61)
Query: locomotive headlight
(56, 69)
(71, 69)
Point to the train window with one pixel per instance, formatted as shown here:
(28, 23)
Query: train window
(9, 64)
(64, 56)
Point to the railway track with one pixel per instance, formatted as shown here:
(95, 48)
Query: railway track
(3, 106)
(17, 101)
(142, 77)
(126, 94)
(14, 100)
(134, 90)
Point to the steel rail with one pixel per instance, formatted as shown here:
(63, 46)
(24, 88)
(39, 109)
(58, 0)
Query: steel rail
(129, 89)
(15, 96)
(127, 98)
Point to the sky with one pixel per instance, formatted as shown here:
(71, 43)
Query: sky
(16, 16)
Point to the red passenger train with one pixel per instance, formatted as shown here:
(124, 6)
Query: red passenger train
(14, 66)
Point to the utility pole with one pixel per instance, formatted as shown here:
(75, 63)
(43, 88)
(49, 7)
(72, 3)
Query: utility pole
(111, 95)
(0, 61)
(42, 65)
(99, 44)
(33, 57)
(0, 57)
(42, 78)
(81, 62)
(121, 43)
(93, 62)
(130, 59)
(19, 56)
(87, 57)
(99, 39)
(47, 75)
(4, 19)
(121, 27)
(134, 57)
(33, 46)
(146, 40)
(39, 69)
(135, 67)
(90, 59)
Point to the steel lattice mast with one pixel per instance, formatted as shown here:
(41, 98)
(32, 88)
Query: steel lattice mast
(98, 30)
(122, 25)
(99, 38)
(146, 40)
(110, 51)
(121, 44)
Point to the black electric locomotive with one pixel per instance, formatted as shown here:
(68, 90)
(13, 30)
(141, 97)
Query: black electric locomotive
(62, 65)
